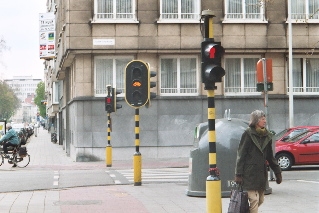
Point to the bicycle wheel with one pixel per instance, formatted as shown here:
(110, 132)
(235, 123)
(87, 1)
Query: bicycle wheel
(1, 160)
(21, 161)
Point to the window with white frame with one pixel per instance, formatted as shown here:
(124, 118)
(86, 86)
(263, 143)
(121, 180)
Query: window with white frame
(108, 10)
(178, 76)
(304, 9)
(244, 10)
(305, 74)
(109, 71)
(240, 77)
(180, 10)
(55, 92)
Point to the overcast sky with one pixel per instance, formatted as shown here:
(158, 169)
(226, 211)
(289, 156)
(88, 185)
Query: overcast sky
(19, 27)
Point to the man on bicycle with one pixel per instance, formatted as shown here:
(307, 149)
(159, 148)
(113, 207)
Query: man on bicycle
(9, 139)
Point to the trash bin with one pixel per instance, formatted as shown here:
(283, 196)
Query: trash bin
(228, 134)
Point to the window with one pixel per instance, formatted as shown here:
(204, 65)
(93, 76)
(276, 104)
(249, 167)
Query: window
(305, 74)
(244, 11)
(314, 138)
(109, 71)
(304, 9)
(114, 10)
(177, 10)
(240, 75)
(55, 92)
(179, 76)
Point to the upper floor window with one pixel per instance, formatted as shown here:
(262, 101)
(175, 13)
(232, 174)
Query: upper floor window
(240, 77)
(180, 10)
(305, 72)
(114, 10)
(178, 76)
(109, 71)
(244, 11)
(304, 10)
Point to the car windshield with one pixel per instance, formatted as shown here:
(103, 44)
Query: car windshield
(280, 134)
(294, 133)
(297, 137)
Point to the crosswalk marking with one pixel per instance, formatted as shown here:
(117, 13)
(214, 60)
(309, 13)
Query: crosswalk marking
(179, 175)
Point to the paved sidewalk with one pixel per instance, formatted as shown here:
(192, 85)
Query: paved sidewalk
(148, 198)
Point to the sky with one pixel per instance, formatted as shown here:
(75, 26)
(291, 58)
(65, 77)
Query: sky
(19, 27)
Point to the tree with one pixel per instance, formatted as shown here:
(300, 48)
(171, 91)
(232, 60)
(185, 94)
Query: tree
(9, 102)
(3, 46)
(39, 96)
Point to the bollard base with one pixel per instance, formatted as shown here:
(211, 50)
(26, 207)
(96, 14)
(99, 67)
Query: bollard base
(213, 194)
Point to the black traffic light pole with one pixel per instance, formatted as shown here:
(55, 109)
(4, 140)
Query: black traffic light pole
(213, 183)
(108, 149)
(137, 159)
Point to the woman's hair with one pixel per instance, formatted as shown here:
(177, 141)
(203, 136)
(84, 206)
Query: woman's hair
(255, 116)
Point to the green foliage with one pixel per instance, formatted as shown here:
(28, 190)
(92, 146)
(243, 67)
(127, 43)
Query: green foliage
(39, 96)
(9, 102)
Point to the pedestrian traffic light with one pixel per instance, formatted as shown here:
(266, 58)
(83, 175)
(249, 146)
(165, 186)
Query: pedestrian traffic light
(108, 104)
(115, 99)
(212, 71)
(137, 81)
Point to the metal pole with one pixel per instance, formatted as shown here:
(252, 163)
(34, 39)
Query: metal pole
(213, 182)
(137, 159)
(264, 60)
(108, 147)
(291, 98)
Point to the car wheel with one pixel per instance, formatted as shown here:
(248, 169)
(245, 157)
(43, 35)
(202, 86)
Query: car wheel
(284, 161)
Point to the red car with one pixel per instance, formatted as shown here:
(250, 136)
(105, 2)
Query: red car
(297, 146)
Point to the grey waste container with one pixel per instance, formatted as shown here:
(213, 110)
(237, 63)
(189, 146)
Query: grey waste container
(228, 134)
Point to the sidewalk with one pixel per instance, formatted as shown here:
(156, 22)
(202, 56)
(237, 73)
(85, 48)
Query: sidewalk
(148, 198)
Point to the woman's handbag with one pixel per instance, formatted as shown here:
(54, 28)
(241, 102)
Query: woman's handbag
(238, 201)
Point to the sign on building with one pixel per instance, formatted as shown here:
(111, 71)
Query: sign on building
(46, 35)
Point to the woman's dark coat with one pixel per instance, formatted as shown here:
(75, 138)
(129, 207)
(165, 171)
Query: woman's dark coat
(252, 153)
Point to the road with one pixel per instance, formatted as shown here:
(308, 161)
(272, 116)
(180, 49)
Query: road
(61, 185)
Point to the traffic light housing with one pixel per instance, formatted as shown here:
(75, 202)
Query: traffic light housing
(108, 104)
(137, 83)
(212, 71)
(115, 99)
(152, 84)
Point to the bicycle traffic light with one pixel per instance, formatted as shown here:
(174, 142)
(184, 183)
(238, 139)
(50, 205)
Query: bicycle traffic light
(115, 99)
(137, 83)
(212, 71)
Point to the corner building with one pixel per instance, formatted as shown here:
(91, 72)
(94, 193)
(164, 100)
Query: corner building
(95, 39)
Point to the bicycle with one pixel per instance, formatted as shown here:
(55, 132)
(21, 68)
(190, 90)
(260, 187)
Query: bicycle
(16, 157)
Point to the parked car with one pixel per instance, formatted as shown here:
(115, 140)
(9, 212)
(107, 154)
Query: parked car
(297, 146)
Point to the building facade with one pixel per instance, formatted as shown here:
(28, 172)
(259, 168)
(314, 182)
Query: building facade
(25, 89)
(95, 39)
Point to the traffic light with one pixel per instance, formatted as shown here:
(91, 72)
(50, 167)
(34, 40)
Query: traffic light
(108, 104)
(212, 71)
(44, 102)
(137, 79)
(152, 84)
(115, 99)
